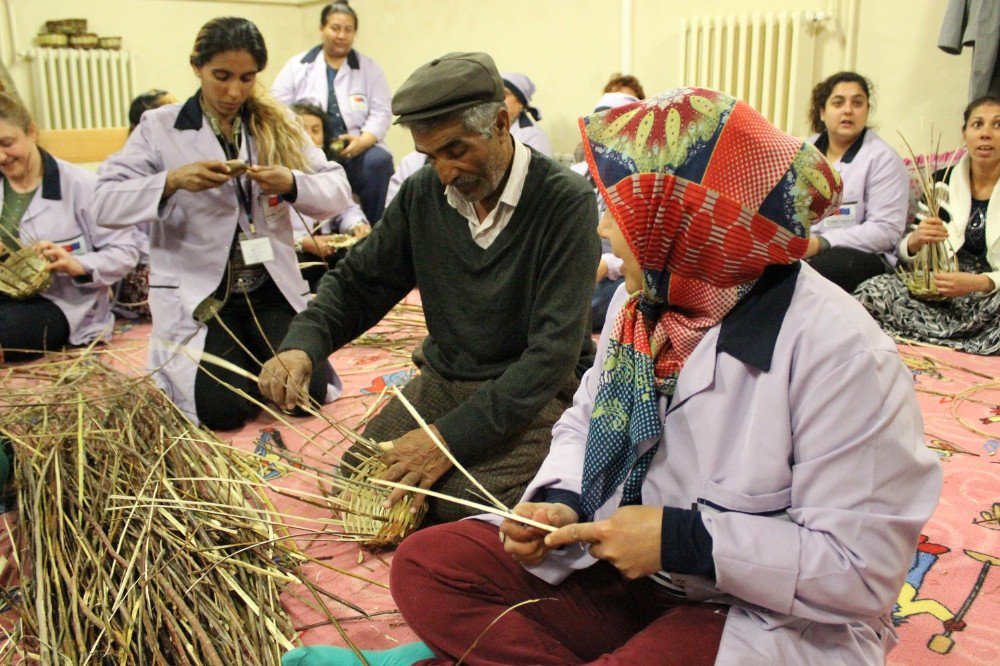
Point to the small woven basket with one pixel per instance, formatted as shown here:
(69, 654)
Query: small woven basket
(23, 274)
(342, 241)
(366, 519)
(919, 279)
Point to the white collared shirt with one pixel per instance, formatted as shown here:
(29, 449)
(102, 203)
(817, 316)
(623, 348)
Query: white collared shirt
(485, 232)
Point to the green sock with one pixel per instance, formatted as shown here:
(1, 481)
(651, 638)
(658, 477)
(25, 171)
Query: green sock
(328, 655)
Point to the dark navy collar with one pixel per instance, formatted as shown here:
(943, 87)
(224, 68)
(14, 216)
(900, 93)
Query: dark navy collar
(750, 330)
(524, 120)
(823, 142)
(313, 53)
(189, 117)
(51, 188)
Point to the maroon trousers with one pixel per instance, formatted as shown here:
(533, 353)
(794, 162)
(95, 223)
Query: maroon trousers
(452, 581)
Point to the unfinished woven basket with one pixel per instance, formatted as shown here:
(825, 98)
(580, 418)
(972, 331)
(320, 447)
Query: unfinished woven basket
(23, 274)
(365, 519)
(919, 279)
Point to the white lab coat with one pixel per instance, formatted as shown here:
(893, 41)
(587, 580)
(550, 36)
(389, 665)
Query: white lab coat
(191, 233)
(530, 134)
(408, 166)
(811, 476)
(60, 212)
(362, 92)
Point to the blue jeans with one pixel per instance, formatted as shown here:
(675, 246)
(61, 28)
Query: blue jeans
(369, 175)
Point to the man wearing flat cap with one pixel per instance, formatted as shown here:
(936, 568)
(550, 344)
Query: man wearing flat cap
(500, 241)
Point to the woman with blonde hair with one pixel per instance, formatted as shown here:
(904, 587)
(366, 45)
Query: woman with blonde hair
(215, 177)
(45, 205)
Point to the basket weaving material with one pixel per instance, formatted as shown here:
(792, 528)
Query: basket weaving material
(23, 274)
(919, 279)
(365, 519)
(341, 241)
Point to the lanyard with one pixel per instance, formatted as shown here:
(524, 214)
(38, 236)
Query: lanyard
(245, 196)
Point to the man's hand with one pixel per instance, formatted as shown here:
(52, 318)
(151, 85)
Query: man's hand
(60, 260)
(272, 179)
(930, 230)
(526, 543)
(962, 284)
(414, 460)
(354, 145)
(196, 177)
(285, 378)
(629, 539)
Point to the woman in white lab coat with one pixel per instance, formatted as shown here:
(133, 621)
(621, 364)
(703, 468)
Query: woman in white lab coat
(223, 274)
(45, 204)
(351, 88)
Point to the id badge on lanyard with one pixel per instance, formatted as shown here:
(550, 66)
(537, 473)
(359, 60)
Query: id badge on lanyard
(846, 216)
(255, 249)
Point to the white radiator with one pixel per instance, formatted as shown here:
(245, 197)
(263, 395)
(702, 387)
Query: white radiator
(764, 59)
(81, 88)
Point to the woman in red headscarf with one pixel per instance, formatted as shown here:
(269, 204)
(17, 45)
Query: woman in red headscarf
(741, 477)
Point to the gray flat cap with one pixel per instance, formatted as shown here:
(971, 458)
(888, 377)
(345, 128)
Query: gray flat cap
(451, 83)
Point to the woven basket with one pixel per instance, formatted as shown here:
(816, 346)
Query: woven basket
(342, 241)
(23, 274)
(366, 518)
(919, 279)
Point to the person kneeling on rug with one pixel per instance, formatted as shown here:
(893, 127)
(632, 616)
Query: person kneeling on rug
(741, 478)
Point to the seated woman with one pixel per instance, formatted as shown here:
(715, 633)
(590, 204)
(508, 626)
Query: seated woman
(45, 205)
(968, 318)
(217, 178)
(704, 510)
(859, 241)
(351, 88)
(312, 237)
(518, 91)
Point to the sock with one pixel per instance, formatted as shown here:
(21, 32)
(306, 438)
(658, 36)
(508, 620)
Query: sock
(328, 655)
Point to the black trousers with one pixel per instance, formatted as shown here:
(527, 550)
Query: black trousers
(219, 407)
(847, 267)
(30, 327)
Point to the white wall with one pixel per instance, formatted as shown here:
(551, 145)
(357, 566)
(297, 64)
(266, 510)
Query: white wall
(568, 47)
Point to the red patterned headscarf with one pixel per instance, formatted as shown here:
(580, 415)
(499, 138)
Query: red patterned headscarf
(707, 193)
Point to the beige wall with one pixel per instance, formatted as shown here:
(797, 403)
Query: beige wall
(568, 47)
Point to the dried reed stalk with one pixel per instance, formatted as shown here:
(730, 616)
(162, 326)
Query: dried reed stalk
(936, 257)
(139, 539)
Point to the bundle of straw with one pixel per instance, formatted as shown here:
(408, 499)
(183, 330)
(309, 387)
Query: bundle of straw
(140, 538)
(936, 257)
(23, 273)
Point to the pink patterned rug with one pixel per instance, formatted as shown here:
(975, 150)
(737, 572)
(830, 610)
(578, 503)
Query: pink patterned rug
(946, 612)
